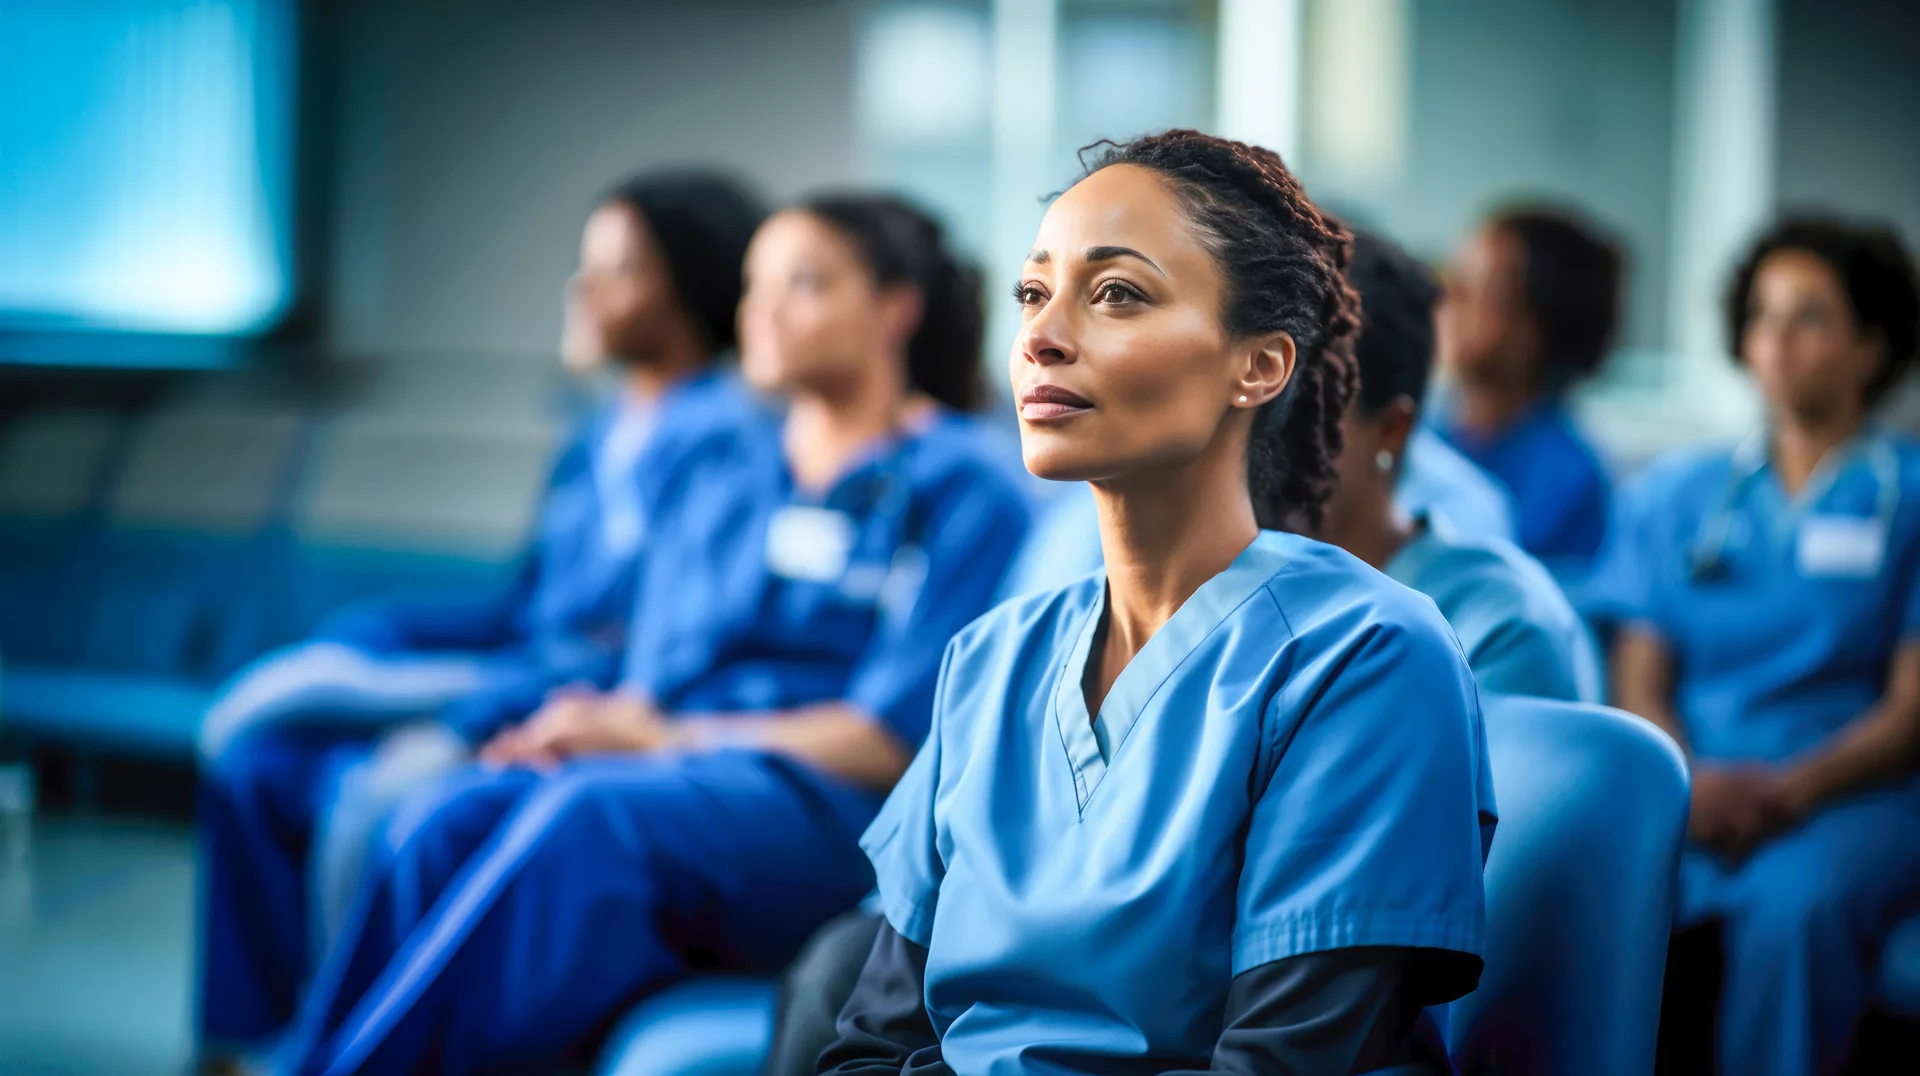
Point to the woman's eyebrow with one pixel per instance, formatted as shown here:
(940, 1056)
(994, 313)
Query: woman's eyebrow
(1107, 254)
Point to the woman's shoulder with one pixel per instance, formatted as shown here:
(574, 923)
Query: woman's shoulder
(1320, 587)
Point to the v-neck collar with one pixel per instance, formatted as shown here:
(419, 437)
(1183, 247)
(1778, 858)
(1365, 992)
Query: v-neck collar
(1092, 741)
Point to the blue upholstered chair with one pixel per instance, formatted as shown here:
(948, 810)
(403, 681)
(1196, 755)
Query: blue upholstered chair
(714, 1026)
(1580, 892)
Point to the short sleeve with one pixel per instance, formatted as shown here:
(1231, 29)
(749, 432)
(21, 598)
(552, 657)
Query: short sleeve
(962, 552)
(1624, 588)
(1369, 830)
(1910, 608)
(1524, 657)
(903, 843)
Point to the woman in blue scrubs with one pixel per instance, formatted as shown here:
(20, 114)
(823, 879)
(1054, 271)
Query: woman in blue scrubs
(1221, 804)
(1769, 607)
(1532, 301)
(288, 769)
(1519, 633)
(792, 612)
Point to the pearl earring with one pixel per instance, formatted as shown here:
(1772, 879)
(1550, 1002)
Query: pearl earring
(1243, 399)
(1383, 460)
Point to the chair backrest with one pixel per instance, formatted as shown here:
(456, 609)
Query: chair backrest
(1580, 892)
(418, 484)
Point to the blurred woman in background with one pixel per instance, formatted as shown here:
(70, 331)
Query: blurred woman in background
(1768, 599)
(288, 775)
(779, 675)
(1519, 633)
(1531, 304)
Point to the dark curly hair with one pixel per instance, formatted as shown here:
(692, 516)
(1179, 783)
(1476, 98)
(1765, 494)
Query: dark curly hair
(902, 245)
(1874, 270)
(1570, 281)
(1284, 263)
(702, 223)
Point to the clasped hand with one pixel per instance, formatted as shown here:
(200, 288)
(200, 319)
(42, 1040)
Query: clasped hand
(1738, 808)
(576, 721)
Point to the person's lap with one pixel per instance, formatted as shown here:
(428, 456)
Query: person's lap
(540, 904)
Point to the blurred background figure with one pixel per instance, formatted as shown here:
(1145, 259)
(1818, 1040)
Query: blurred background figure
(793, 609)
(1532, 302)
(291, 793)
(277, 345)
(1769, 607)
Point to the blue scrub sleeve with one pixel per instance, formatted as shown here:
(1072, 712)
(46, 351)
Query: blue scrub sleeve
(408, 625)
(1525, 657)
(1910, 614)
(478, 716)
(967, 544)
(903, 842)
(1625, 585)
(1368, 831)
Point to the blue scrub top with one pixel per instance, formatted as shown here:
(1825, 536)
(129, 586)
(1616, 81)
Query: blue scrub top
(1520, 633)
(1434, 480)
(1786, 634)
(759, 596)
(564, 617)
(1557, 480)
(1293, 763)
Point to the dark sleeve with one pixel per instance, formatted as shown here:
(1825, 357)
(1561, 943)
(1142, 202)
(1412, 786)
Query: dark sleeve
(813, 990)
(884, 1027)
(1335, 1012)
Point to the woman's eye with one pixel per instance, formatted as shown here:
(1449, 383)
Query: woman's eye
(1028, 295)
(1115, 292)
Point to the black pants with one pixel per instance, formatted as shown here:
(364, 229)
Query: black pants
(813, 990)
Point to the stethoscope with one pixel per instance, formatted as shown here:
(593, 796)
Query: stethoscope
(1707, 558)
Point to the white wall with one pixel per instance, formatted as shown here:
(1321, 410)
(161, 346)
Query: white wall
(473, 136)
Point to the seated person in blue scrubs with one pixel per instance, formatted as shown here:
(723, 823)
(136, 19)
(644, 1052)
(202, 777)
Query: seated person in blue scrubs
(654, 296)
(792, 610)
(1532, 301)
(1221, 806)
(1768, 602)
(1518, 631)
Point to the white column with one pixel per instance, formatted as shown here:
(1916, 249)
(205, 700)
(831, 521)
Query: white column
(1723, 186)
(1025, 77)
(1257, 75)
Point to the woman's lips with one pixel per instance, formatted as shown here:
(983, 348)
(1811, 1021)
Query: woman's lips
(1041, 403)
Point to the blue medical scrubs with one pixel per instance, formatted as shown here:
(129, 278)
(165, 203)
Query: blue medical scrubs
(512, 913)
(1559, 484)
(273, 765)
(1783, 614)
(1520, 634)
(1294, 763)
(1434, 480)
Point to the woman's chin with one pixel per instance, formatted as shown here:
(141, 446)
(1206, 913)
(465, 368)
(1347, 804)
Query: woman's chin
(1059, 463)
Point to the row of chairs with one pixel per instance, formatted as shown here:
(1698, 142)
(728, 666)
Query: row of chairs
(144, 558)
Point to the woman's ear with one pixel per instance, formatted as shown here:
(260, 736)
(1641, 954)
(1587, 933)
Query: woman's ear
(1396, 422)
(1268, 368)
(900, 311)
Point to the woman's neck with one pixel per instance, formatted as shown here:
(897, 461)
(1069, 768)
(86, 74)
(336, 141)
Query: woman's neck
(1164, 534)
(826, 429)
(1489, 404)
(649, 380)
(1800, 442)
(1376, 534)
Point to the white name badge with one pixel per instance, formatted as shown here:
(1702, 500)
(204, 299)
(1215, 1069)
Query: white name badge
(1843, 546)
(809, 544)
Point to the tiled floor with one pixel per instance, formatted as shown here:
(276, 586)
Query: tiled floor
(96, 950)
